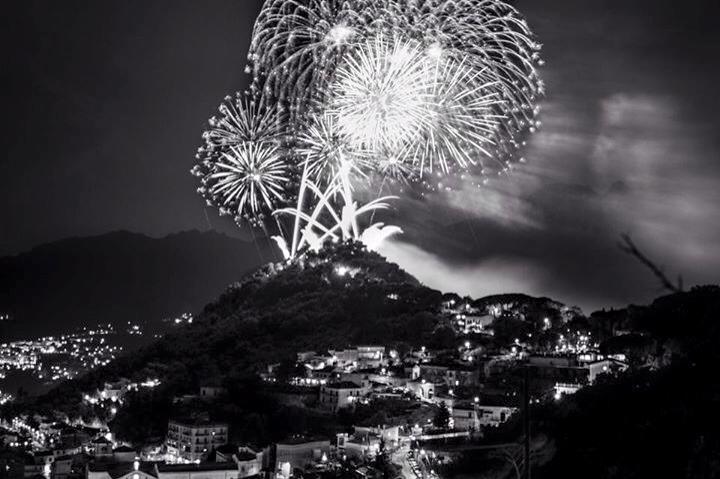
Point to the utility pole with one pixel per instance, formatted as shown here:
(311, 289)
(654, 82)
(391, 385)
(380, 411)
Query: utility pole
(526, 418)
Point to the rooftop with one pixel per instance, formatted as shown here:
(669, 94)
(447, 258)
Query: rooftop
(343, 385)
(205, 466)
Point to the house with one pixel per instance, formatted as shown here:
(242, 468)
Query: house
(341, 394)
(371, 356)
(494, 415)
(120, 470)
(433, 372)
(249, 462)
(424, 390)
(359, 447)
(472, 323)
(7, 437)
(322, 376)
(40, 463)
(297, 454)
(389, 434)
(74, 437)
(206, 470)
(190, 440)
(62, 467)
(211, 392)
(462, 375)
(359, 357)
(571, 369)
(369, 376)
(101, 447)
(561, 389)
(465, 417)
(468, 416)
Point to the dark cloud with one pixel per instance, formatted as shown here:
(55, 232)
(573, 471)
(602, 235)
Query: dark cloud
(108, 101)
(628, 144)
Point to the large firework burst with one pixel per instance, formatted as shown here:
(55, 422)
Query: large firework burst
(381, 94)
(348, 89)
(315, 54)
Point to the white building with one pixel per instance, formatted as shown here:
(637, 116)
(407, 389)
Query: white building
(191, 440)
(298, 455)
(123, 470)
(342, 394)
(473, 416)
(208, 470)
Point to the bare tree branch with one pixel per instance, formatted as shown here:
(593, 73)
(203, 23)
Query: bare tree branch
(628, 246)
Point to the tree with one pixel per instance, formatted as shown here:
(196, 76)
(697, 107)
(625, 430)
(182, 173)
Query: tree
(442, 416)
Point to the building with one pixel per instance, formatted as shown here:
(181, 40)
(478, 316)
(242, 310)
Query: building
(341, 394)
(207, 470)
(572, 369)
(191, 440)
(467, 416)
(62, 467)
(433, 372)
(121, 470)
(101, 447)
(365, 442)
(298, 454)
(249, 462)
(211, 392)
(462, 375)
(561, 389)
(424, 390)
(494, 415)
(359, 357)
(471, 323)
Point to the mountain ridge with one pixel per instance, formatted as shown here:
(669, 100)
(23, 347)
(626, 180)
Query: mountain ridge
(117, 277)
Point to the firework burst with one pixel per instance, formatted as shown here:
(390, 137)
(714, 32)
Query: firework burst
(240, 120)
(327, 149)
(296, 44)
(246, 180)
(318, 55)
(342, 90)
(381, 94)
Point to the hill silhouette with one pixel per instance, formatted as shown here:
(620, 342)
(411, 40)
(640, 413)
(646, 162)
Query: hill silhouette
(117, 277)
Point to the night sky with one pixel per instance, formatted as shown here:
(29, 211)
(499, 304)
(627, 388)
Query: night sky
(107, 102)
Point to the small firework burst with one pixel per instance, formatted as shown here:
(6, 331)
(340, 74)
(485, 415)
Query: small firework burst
(249, 178)
(327, 149)
(245, 181)
(240, 120)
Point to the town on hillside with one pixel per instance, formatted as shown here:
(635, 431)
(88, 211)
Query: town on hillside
(408, 411)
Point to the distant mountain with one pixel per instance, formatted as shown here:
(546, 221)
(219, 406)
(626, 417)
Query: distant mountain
(118, 277)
